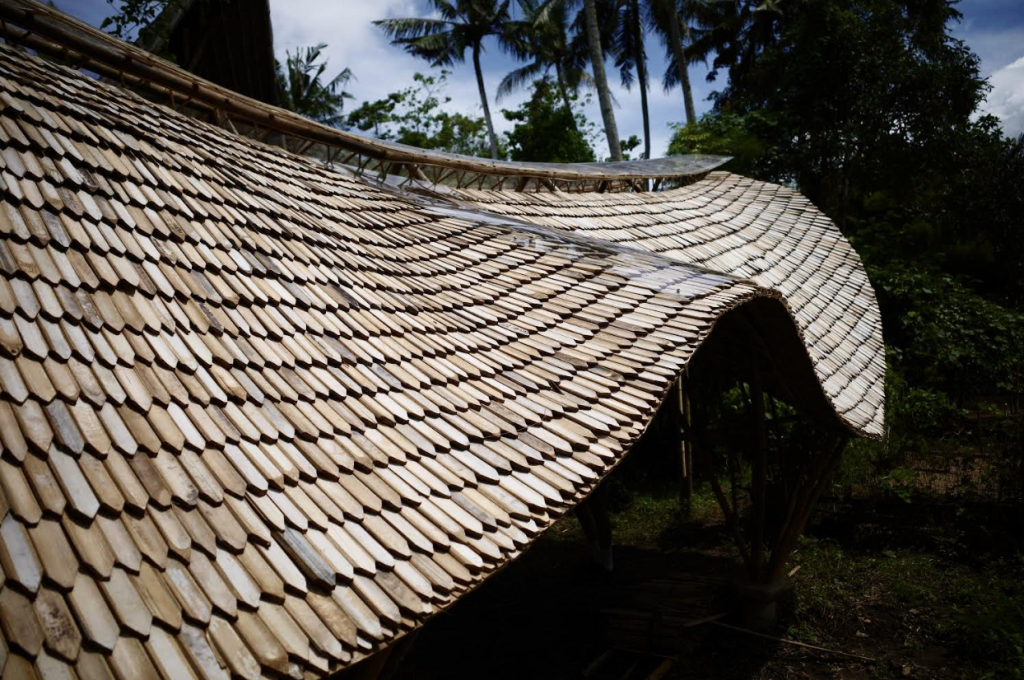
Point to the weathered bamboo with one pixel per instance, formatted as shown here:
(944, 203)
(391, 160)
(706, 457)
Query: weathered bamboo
(685, 441)
(795, 643)
(730, 512)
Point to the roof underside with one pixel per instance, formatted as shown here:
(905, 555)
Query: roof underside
(260, 418)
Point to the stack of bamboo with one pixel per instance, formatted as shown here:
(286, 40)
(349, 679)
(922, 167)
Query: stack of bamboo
(658, 614)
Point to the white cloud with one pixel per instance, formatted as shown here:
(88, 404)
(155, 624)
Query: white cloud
(996, 46)
(1006, 100)
(379, 67)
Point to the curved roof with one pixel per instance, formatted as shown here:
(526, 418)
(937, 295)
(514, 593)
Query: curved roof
(763, 232)
(261, 418)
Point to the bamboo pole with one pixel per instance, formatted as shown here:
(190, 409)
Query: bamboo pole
(685, 426)
(760, 474)
(795, 643)
(731, 518)
(809, 493)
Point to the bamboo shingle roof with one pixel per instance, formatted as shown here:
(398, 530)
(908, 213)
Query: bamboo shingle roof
(259, 418)
(759, 231)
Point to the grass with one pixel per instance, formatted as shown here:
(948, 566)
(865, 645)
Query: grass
(924, 602)
(922, 614)
(929, 599)
(647, 517)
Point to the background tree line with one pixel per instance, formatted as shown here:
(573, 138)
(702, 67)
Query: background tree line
(871, 109)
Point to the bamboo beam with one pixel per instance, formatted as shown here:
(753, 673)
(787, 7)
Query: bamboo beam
(105, 54)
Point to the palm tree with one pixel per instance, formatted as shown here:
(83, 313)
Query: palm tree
(665, 18)
(463, 24)
(300, 89)
(630, 56)
(544, 39)
(604, 96)
(734, 31)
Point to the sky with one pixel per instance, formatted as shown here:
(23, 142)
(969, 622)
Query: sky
(994, 29)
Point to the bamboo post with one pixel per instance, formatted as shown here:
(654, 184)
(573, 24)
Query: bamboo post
(809, 492)
(731, 517)
(685, 442)
(760, 474)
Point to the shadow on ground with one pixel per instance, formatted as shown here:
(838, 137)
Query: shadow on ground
(542, 618)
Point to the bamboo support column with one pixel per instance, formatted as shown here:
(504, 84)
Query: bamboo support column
(685, 442)
(759, 474)
(807, 495)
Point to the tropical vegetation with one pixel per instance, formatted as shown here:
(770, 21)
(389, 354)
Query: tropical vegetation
(871, 109)
(461, 25)
(419, 116)
(301, 88)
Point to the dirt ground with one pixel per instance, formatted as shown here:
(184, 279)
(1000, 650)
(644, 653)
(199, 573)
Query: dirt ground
(909, 601)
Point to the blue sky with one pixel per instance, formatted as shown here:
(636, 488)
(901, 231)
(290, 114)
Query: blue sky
(994, 29)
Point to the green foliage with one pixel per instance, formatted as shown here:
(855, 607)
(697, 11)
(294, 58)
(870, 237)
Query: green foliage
(458, 26)
(944, 334)
(545, 39)
(138, 18)
(951, 353)
(300, 86)
(724, 134)
(546, 131)
(986, 625)
(869, 108)
(976, 614)
(416, 116)
(442, 39)
(627, 146)
(862, 93)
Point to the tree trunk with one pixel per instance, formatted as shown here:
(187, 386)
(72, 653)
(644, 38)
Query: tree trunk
(641, 75)
(604, 95)
(483, 100)
(565, 95)
(676, 36)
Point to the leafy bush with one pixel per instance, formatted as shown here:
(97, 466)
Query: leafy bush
(725, 134)
(417, 116)
(546, 131)
(869, 107)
